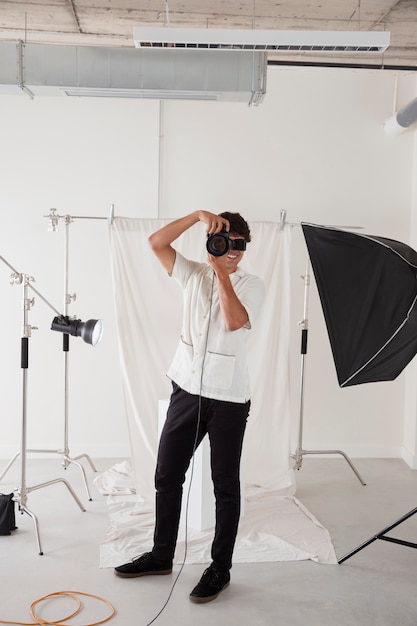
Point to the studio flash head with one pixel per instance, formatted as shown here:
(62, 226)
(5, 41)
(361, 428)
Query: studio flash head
(219, 244)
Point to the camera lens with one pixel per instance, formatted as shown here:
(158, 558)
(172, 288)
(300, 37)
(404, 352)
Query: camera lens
(218, 244)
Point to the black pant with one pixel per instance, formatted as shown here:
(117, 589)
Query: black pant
(225, 423)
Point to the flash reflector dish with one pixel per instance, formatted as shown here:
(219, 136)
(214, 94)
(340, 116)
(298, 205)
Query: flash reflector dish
(90, 331)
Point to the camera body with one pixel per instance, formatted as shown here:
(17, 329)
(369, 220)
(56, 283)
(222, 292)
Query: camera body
(219, 244)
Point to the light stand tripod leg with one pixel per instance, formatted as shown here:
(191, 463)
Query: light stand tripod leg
(304, 452)
(85, 456)
(381, 535)
(68, 460)
(8, 466)
(59, 480)
(24, 509)
(21, 498)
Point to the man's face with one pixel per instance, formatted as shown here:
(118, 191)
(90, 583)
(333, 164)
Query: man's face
(233, 257)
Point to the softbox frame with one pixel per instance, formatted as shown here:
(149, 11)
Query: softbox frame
(368, 291)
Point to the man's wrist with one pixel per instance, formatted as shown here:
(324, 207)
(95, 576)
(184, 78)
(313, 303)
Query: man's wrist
(222, 274)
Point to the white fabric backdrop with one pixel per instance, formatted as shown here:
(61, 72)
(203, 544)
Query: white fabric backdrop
(275, 526)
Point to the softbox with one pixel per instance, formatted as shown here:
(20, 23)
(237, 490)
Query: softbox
(368, 290)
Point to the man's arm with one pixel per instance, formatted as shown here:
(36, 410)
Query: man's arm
(233, 312)
(161, 240)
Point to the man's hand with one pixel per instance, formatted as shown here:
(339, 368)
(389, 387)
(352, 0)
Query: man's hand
(161, 240)
(218, 264)
(214, 222)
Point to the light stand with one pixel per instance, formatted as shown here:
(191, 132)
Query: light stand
(371, 342)
(68, 298)
(300, 452)
(22, 491)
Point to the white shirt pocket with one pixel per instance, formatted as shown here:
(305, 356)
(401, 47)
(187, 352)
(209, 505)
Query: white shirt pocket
(219, 370)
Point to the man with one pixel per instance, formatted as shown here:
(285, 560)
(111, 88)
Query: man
(210, 393)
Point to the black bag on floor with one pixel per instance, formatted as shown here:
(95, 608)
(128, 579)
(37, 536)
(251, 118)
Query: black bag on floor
(7, 515)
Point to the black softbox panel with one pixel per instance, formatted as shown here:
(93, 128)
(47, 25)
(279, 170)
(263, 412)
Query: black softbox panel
(368, 290)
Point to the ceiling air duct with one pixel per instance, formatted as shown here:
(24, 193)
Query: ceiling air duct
(47, 69)
(402, 120)
(265, 40)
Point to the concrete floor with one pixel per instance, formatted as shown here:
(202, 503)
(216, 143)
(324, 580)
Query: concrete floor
(374, 587)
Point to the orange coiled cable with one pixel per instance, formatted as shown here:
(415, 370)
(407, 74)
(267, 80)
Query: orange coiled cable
(60, 622)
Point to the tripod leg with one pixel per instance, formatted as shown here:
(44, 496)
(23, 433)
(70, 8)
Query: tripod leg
(59, 480)
(380, 535)
(344, 455)
(80, 467)
(8, 466)
(85, 456)
(353, 468)
(358, 549)
(24, 509)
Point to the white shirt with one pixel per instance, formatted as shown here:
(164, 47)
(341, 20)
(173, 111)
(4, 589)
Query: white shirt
(210, 360)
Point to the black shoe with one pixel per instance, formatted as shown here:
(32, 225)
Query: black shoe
(144, 565)
(211, 584)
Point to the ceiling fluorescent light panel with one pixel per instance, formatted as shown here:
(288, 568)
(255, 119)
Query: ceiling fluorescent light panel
(266, 40)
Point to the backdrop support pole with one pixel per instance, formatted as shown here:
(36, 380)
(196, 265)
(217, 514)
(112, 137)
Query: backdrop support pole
(300, 452)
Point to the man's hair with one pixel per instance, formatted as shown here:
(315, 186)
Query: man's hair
(238, 225)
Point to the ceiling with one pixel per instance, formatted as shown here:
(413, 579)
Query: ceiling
(111, 22)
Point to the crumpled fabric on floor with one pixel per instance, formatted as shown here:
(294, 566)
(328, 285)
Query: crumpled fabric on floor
(273, 527)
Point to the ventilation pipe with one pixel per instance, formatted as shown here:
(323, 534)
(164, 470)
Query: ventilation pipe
(403, 120)
(85, 71)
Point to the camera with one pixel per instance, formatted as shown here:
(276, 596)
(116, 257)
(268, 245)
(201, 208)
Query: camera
(219, 244)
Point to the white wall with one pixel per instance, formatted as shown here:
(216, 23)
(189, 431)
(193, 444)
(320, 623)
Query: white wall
(316, 148)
